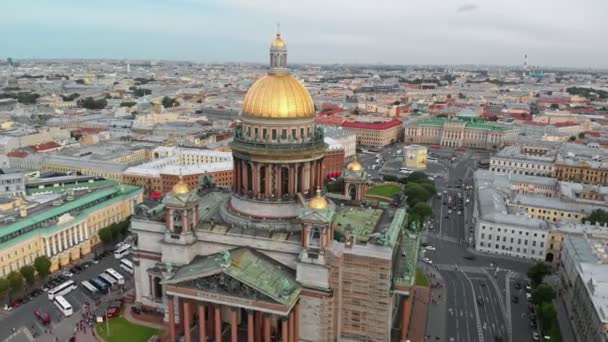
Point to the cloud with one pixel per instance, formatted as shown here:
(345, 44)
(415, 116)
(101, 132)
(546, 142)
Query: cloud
(467, 8)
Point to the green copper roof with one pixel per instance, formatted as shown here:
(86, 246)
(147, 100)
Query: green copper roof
(56, 189)
(469, 123)
(363, 221)
(248, 267)
(129, 191)
(397, 224)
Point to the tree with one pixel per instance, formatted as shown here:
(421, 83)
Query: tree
(420, 212)
(581, 135)
(416, 193)
(105, 235)
(554, 106)
(572, 138)
(3, 285)
(27, 272)
(91, 103)
(71, 97)
(169, 102)
(139, 92)
(543, 293)
(548, 314)
(42, 264)
(15, 281)
(417, 177)
(598, 216)
(537, 272)
(128, 104)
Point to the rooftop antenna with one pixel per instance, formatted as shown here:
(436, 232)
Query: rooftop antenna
(278, 27)
(525, 65)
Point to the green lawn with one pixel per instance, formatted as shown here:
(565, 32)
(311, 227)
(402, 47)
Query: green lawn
(388, 190)
(422, 279)
(123, 330)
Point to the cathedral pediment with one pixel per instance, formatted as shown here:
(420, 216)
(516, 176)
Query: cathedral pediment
(241, 273)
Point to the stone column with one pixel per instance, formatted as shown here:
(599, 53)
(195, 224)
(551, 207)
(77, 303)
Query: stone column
(405, 316)
(202, 331)
(51, 241)
(278, 181)
(258, 326)
(284, 330)
(266, 328)
(291, 325)
(211, 320)
(250, 327)
(233, 326)
(268, 185)
(255, 179)
(187, 320)
(86, 231)
(245, 177)
(218, 323)
(306, 177)
(172, 335)
(292, 180)
(48, 247)
(296, 323)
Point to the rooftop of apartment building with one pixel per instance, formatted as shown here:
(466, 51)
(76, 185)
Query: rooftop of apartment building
(466, 119)
(337, 132)
(576, 154)
(591, 258)
(525, 153)
(554, 204)
(50, 209)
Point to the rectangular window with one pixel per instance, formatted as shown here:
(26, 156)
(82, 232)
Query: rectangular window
(274, 134)
(284, 134)
(293, 133)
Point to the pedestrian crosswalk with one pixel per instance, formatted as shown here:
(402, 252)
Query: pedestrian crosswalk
(476, 269)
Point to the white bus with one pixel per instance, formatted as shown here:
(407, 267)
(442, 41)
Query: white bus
(126, 265)
(431, 159)
(63, 306)
(62, 289)
(122, 251)
(89, 287)
(117, 276)
(106, 277)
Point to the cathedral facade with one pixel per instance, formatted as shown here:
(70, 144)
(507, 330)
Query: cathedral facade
(272, 258)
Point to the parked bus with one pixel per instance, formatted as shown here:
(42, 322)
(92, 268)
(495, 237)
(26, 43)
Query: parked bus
(431, 159)
(106, 277)
(63, 306)
(89, 287)
(62, 289)
(126, 265)
(122, 251)
(117, 276)
(101, 286)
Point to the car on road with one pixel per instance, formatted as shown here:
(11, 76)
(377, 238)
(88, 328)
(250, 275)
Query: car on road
(535, 336)
(67, 274)
(528, 288)
(430, 248)
(515, 299)
(469, 257)
(459, 212)
(427, 260)
(528, 295)
(43, 317)
(479, 301)
(517, 286)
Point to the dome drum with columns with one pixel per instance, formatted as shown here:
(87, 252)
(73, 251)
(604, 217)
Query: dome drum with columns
(277, 148)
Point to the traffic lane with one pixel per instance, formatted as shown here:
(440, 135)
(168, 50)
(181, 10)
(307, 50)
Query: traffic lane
(520, 315)
(492, 319)
(455, 325)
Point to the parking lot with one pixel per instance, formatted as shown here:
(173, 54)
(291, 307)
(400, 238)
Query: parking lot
(24, 314)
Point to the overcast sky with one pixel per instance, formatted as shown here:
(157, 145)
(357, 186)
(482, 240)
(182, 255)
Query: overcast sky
(551, 32)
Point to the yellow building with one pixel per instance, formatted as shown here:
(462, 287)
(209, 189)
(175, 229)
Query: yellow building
(414, 157)
(67, 229)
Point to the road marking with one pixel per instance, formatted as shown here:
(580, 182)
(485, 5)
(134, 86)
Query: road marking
(508, 306)
(476, 309)
(501, 303)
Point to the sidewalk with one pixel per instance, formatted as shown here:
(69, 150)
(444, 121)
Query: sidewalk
(422, 298)
(437, 310)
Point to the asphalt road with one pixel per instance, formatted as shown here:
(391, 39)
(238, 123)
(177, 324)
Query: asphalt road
(479, 288)
(63, 327)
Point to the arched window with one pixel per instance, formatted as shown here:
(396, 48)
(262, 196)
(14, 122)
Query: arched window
(157, 288)
(315, 237)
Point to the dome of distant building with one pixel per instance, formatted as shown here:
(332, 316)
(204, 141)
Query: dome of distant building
(318, 202)
(278, 95)
(180, 187)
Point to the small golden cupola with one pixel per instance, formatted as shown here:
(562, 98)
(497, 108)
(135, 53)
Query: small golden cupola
(318, 202)
(180, 187)
(354, 165)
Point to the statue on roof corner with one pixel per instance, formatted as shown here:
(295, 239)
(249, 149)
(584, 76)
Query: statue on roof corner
(169, 267)
(227, 259)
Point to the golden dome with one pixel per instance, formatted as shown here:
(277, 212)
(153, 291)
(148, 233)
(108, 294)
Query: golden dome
(318, 202)
(180, 187)
(278, 95)
(278, 42)
(354, 165)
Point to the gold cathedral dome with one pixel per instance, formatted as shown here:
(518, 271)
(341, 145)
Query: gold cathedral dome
(180, 187)
(318, 202)
(354, 165)
(278, 95)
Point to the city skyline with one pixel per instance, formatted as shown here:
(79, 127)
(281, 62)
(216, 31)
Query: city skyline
(489, 33)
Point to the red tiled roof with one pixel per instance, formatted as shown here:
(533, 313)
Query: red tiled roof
(372, 125)
(330, 119)
(88, 130)
(45, 146)
(18, 154)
